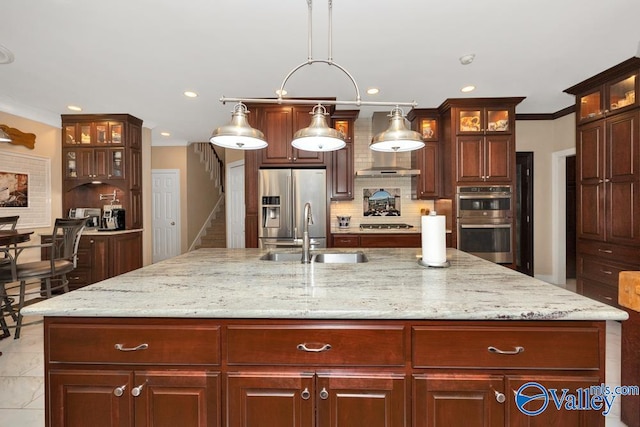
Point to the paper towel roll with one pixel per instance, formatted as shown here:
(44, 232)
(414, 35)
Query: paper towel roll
(434, 239)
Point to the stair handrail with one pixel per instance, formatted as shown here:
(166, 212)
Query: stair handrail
(220, 167)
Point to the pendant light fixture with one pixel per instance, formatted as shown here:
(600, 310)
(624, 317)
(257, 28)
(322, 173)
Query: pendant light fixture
(319, 136)
(4, 137)
(397, 137)
(237, 133)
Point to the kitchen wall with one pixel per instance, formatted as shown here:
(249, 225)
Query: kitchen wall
(410, 209)
(47, 145)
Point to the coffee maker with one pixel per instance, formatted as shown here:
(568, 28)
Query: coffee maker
(113, 217)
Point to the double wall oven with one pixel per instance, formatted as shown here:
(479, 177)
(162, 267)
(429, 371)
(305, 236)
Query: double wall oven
(485, 223)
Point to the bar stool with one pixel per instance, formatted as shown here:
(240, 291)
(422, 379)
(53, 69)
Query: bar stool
(6, 223)
(63, 254)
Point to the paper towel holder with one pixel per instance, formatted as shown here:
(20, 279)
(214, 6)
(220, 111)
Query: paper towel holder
(434, 264)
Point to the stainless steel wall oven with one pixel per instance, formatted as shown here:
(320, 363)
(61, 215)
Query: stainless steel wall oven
(485, 222)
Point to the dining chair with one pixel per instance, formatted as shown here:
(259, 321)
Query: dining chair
(51, 273)
(6, 223)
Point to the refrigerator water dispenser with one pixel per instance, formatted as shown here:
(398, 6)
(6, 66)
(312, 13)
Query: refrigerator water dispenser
(271, 212)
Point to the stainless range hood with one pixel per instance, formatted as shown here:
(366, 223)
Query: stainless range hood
(384, 164)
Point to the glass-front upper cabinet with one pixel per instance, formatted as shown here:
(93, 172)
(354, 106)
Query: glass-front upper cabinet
(484, 120)
(608, 98)
(428, 127)
(109, 133)
(622, 93)
(77, 134)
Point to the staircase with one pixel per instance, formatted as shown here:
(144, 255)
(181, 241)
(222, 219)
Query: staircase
(215, 235)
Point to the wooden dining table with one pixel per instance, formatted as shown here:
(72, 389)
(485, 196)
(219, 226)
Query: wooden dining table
(12, 237)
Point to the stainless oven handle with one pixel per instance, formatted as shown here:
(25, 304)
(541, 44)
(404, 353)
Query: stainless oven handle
(485, 225)
(485, 196)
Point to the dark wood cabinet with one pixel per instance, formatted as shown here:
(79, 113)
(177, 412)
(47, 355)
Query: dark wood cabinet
(485, 159)
(310, 373)
(101, 154)
(607, 179)
(341, 166)
(428, 159)
(279, 124)
(103, 255)
(378, 240)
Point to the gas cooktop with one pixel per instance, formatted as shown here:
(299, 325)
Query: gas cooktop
(384, 226)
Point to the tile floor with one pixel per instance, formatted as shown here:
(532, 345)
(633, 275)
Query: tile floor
(22, 382)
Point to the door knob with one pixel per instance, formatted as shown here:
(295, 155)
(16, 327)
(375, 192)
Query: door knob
(173, 223)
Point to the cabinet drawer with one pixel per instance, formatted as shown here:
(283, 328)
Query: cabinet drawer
(341, 345)
(478, 347)
(346, 241)
(165, 343)
(79, 276)
(617, 253)
(599, 291)
(600, 271)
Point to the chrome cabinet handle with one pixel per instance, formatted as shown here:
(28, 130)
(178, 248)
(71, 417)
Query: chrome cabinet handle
(606, 251)
(324, 394)
(119, 391)
(500, 397)
(305, 394)
(303, 347)
(136, 391)
(517, 350)
(606, 272)
(121, 347)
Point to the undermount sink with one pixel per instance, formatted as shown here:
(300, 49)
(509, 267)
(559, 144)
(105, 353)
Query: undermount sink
(324, 258)
(341, 258)
(282, 256)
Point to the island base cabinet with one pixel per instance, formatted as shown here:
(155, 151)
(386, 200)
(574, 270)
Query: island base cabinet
(134, 399)
(457, 400)
(316, 400)
(480, 400)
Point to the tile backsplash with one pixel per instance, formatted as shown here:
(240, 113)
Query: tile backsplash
(411, 209)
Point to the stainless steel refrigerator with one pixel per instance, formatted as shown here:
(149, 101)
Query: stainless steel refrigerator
(283, 194)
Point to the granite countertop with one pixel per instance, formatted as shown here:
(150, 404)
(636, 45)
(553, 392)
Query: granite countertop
(96, 232)
(234, 283)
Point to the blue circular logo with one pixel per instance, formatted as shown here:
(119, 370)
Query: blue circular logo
(532, 398)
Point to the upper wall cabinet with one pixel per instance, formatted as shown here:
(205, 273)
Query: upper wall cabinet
(279, 123)
(478, 120)
(102, 155)
(609, 92)
(342, 160)
(426, 121)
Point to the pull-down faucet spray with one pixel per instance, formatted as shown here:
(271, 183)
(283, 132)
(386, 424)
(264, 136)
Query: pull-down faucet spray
(306, 242)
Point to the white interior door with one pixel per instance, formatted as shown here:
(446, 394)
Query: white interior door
(235, 204)
(166, 213)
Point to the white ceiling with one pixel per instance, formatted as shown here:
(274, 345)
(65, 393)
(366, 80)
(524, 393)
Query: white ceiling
(139, 56)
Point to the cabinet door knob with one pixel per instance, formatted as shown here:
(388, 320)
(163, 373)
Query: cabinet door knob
(136, 391)
(119, 391)
(305, 394)
(500, 397)
(324, 394)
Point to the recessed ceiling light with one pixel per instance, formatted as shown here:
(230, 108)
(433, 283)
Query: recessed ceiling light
(190, 94)
(373, 90)
(74, 108)
(282, 92)
(469, 88)
(165, 134)
(467, 59)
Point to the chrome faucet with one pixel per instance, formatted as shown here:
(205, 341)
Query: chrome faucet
(306, 242)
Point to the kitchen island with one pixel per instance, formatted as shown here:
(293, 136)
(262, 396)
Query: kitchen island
(219, 337)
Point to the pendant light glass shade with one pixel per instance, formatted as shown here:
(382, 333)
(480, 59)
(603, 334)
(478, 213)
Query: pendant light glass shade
(318, 136)
(397, 137)
(4, 137)
(238, 134)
